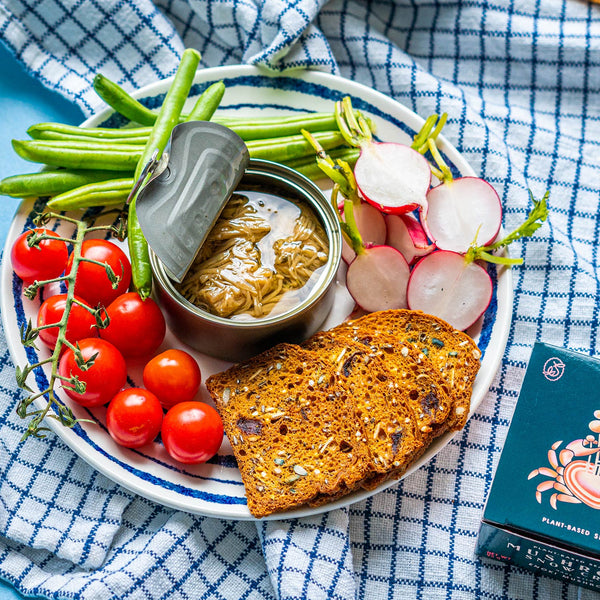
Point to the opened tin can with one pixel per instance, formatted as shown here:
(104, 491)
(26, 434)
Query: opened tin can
(234, 340)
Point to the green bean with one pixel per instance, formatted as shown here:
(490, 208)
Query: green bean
(49, 183)
(84, 144)
(116, 97)
(69, 137)
(141, 271)
(106, 155)
(291, 147)
(118, 159)
(308, 169)
(208, 103)
(168, 117)
(275, 127)
(36, 131)
(104, 193)
(170, 110)
(247, 129)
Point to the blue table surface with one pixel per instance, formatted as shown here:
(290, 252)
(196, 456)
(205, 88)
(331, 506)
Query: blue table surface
(23, 101)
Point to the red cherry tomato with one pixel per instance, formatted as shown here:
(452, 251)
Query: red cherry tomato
(174, 376)
(134, 417)
(103, 379)
(81, 323)
(192, 432)
(46, 261)
(93, 284)
(137, 327)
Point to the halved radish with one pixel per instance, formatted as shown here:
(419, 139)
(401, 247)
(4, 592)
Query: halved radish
(447, 286)
(371, 226)
(462, 212)
(391, 176)
(406, 234)
(377, 278)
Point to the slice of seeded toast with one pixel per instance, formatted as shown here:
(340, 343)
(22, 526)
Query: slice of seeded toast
(401, 410)
(423, 338)
(407, 380)
(292, 428)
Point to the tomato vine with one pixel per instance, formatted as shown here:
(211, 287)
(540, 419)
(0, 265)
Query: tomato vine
(55, 408)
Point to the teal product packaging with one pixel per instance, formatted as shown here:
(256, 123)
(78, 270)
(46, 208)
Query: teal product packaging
(543, 510)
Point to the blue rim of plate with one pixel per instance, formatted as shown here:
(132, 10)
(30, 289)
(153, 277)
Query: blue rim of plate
(256, 81)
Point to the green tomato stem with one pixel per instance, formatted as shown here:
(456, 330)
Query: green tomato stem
(65, 415)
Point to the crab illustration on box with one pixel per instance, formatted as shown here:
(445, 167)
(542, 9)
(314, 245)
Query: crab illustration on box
(574, 481)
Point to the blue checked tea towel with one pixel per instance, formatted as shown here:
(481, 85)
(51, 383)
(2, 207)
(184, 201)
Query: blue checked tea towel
(521, 84)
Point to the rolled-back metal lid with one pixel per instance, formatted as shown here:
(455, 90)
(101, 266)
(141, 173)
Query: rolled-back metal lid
(178, 208)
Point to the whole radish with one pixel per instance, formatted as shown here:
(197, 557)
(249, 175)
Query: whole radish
(392, 177)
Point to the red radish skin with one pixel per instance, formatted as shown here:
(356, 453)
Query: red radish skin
(356, 313)
(463, 212)
(445, 285)
(406, 234)
(377, 279)
(371, 226)
(392, 177)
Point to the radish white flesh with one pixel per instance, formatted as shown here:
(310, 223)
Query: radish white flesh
(443, 284)
(406, 234)
(371, 226)
(377, 279)
(393, 177)
(462, 212)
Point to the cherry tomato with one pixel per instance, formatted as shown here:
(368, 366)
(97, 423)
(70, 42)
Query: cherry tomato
(103, 379)
(137, 327)
(192, 432)
(134, 417)
(81, 323)
(174, 376)
(46, 261)
(93, 284)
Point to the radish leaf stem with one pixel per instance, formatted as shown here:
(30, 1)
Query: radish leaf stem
(537, 215)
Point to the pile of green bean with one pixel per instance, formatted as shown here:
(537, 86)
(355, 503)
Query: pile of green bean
(94, 166)
(88, 167)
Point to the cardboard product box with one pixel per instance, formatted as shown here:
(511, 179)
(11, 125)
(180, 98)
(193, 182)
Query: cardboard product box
(543, 510)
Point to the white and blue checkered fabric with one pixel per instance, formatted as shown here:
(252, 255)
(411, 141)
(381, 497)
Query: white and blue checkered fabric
(521, 83)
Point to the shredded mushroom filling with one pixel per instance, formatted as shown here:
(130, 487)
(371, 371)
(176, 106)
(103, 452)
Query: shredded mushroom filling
(253, 256)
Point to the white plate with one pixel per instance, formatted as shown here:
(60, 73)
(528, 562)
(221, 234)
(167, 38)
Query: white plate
(216, 489)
